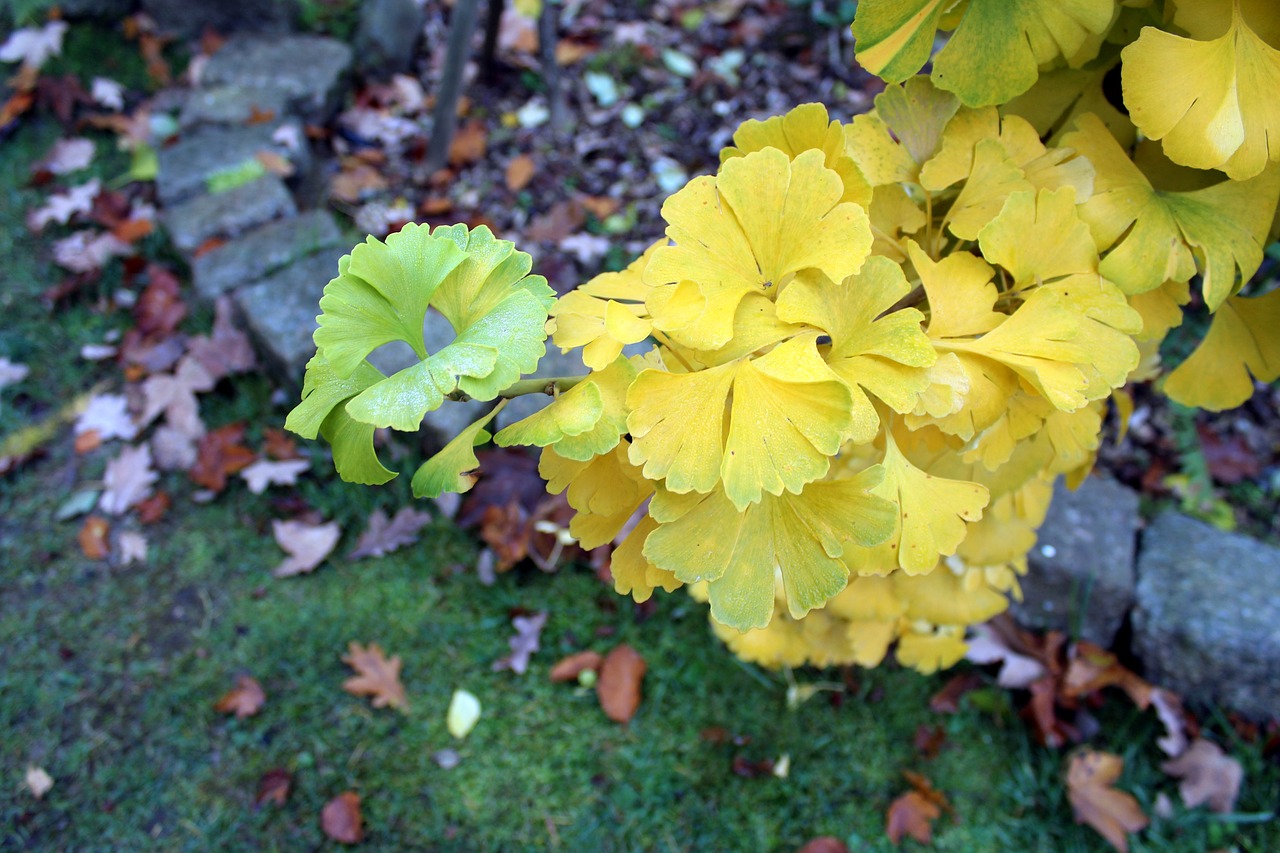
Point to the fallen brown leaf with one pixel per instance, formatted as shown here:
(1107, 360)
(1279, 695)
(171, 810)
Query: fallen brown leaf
(569, 668)
(377, 676)
(383, 536)
(519, 172)
(1113, 813)
(599, 206)
(1208, 776)
(947, 700)
(153, 508)
(1092, 668)
(564, 218)
(274, 787)
(929, 740)
(340, 819)
(824, 844)
(219, 454)
(621, 676)
(278, 444)
(93, 538)
(307, 545)
(243, 700)
(160, 308)
(469, 143)
(911, 814)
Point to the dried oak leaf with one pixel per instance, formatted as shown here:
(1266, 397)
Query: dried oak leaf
(377, 676)
(243, 700)
(618, 688)
(1113, 813)
(93, 538)
(226, 349)
(1208, 776)
(340, 819)
(108, 416)
(160, 308)
(175, 395)
(219, 454)
(129, 479)
(273, 787)
(947, 700)
(307, 545)
(383, 536)
(1092, 668)
(569, 668)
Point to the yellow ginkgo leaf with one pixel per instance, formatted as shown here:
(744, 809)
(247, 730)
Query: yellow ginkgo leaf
(585, 421)
(927, 649)
(882, 354)
(894, 215)
(1211, 19)
(605, 491)
(605, 314)
(705, 537)
(904, 132)
(790, 414)
(805, 128)
(1038, 237)
(632, 572)
(1061, 95)
(994, 177)
(1160, 309)
(932, 511)
(1243, 344)
(750, 229)
(949, 596)
(996, 49)
(1211, 102)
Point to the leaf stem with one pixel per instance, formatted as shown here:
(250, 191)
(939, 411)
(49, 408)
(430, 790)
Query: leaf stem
(549, 385)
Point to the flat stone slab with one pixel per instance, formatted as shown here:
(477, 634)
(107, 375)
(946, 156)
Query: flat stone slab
(1080, 575)
(231, 105)
(280, 312)
(264, 250)
(191, 223)
(307, 69)
(187, 167)
(1207, 620)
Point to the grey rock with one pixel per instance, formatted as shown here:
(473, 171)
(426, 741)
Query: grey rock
(280, 313)
(187, 18)
(264, 250)
(191, 223)
(187, 167)
(307, 69)
(1207, 620)
(1080, 573)
(230, 105)
(388, 34)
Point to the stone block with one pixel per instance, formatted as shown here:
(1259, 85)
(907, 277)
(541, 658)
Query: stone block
(264, 250)
(1207, 619)
(1080, 575)
(280, 313)
(308, 69)
(191, 223)
(231, 105)
(388, 35)
(187, 167)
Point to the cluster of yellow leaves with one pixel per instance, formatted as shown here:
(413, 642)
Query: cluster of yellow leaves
(877, 345)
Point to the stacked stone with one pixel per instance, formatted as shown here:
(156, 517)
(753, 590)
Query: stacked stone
(252, 241)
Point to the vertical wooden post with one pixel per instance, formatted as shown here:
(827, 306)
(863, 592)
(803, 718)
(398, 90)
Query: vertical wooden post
(445, 118)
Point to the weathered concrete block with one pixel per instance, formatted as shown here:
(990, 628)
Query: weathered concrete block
(264, 250)
(1080, 573)
(187, 167)
(231, 105)
(280, 312)
(388, 35)
(307, 69)
(1207, 620)
(191, 223)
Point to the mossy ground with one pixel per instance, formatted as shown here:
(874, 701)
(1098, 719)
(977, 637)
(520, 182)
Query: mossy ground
(110, 674)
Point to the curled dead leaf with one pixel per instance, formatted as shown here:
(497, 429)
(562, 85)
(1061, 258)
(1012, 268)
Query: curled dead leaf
(569, 668)
(1112, 812)
(621, 677)
(911, 814)
(93, 538)
(341, 820)
(274, 787)
(1208, 776)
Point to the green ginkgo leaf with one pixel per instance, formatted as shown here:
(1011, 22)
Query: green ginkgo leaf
(453, 469)
(322, 412)
(382, 294)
